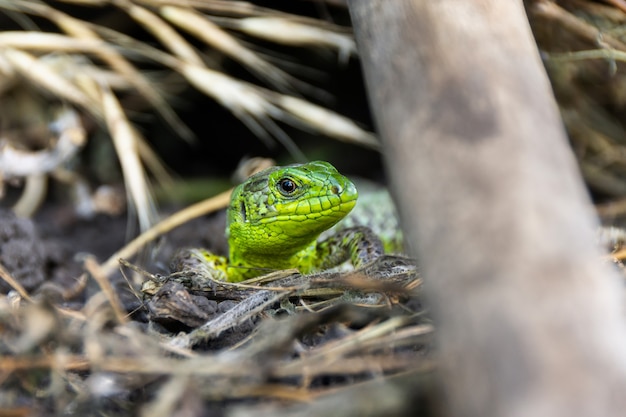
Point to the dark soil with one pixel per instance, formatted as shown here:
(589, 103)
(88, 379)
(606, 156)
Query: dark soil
(47, 251)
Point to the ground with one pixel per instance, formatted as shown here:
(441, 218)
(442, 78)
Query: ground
(209, 350)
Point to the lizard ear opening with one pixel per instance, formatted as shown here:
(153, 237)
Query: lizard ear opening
(242, 210)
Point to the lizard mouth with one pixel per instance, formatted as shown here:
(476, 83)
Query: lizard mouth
(336, 212)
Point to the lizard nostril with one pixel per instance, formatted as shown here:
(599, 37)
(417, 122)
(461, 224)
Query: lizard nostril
(335, 189)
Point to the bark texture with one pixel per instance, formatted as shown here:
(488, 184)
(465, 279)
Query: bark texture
(530, 319)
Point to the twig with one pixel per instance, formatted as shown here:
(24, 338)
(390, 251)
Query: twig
(8, 278)
(98, 274)
(199, 209)
(552, 11)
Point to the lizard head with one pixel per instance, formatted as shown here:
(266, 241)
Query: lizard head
(286, 208)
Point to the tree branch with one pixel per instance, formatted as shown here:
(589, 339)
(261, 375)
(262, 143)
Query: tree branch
(530, 322)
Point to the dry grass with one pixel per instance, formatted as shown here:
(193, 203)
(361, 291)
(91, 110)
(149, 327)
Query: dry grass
(583, 45)
(96, 359)
(89, 66)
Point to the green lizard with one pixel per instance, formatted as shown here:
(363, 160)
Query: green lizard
(276, 216)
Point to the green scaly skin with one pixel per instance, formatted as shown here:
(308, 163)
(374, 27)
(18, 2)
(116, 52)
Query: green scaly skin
(275, 217)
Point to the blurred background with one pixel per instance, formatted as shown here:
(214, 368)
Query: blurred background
(109, 105)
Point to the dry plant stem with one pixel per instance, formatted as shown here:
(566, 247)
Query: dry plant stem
(344, 347)
(566, 20)
(283, 392)
(80, 30)
(606, 54)
(41, 75)
(228, 7)
(220, 365)
(530, 321)
(352, 365)
(8, 278)
(204, 207)
(14, 363)
(325, 121)
(601, 179)
(208, 365)
(206, 31)
(620, 4)
(291, 32)
(98, 275)
(612, 209)
(171, 39)
(35, 189)
(48, 42)
(76, 289)
(620, 255)
(124, 137)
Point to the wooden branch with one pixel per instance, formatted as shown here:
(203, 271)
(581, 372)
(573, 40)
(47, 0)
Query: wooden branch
(530, 321)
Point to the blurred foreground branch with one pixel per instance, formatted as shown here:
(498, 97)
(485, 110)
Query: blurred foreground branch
(530, 322)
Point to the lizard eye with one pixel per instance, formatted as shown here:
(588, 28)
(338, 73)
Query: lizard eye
(287, 186)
